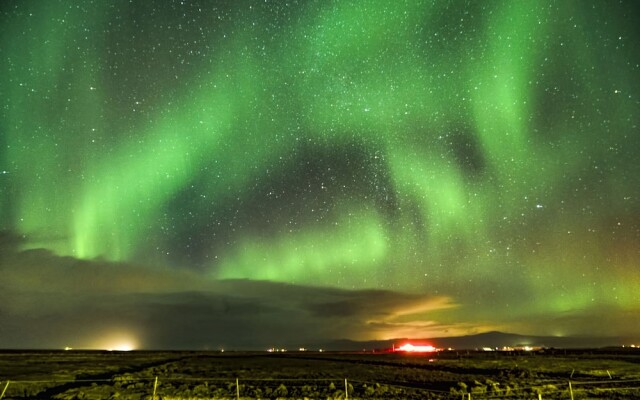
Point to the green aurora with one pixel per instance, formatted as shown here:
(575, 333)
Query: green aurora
(482, 151)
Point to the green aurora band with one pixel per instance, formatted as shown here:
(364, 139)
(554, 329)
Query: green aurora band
(485, 151)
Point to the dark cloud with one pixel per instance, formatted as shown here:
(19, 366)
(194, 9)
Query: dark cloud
(48, 301)
(53, 301)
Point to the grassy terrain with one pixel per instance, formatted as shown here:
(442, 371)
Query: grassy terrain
(211, 375)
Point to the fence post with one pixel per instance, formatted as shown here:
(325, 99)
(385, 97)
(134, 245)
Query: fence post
(155, 386)
(346, 389)
(237, 389)
(570, 390)
(4, 390)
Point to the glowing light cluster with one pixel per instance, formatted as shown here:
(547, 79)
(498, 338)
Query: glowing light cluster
(411, 348)
(116, 341)
(122, 347)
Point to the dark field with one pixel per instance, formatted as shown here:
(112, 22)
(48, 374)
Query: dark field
(597, 374)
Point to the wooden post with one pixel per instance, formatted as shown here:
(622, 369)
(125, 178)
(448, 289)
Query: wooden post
(570, 390)
(539, 396)
(346, 389)
(5, 389)
(237, 389)
(155, 386)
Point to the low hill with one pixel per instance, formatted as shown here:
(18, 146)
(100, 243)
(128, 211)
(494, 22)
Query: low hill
(488, 339)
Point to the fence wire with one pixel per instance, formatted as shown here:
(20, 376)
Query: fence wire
(342, 388)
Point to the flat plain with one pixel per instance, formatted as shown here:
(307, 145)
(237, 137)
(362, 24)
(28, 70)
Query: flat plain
(181, 375)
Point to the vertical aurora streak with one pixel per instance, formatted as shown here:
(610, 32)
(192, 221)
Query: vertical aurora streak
(483, 151)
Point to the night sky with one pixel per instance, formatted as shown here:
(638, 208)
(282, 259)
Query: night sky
(242, 174)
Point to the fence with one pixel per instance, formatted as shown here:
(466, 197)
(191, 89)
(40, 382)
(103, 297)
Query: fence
(174, 388)
(562, 390)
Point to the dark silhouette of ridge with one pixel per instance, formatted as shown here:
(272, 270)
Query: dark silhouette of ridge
(492, 339)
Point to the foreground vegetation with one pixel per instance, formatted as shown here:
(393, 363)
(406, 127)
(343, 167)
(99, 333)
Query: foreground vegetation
(612, 374)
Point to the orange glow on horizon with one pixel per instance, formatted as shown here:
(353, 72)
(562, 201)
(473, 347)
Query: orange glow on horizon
(116, 340)
(122, 347)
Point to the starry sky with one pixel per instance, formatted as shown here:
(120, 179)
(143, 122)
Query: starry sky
(185, 174)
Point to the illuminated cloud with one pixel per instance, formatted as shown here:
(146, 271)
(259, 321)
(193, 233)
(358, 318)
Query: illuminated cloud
(474, 165)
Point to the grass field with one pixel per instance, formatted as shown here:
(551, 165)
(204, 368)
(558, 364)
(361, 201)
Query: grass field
(596, 374)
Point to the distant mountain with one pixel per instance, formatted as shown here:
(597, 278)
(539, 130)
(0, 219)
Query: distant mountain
(488, 339)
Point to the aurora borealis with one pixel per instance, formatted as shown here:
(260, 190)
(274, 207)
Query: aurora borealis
(358, 169)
